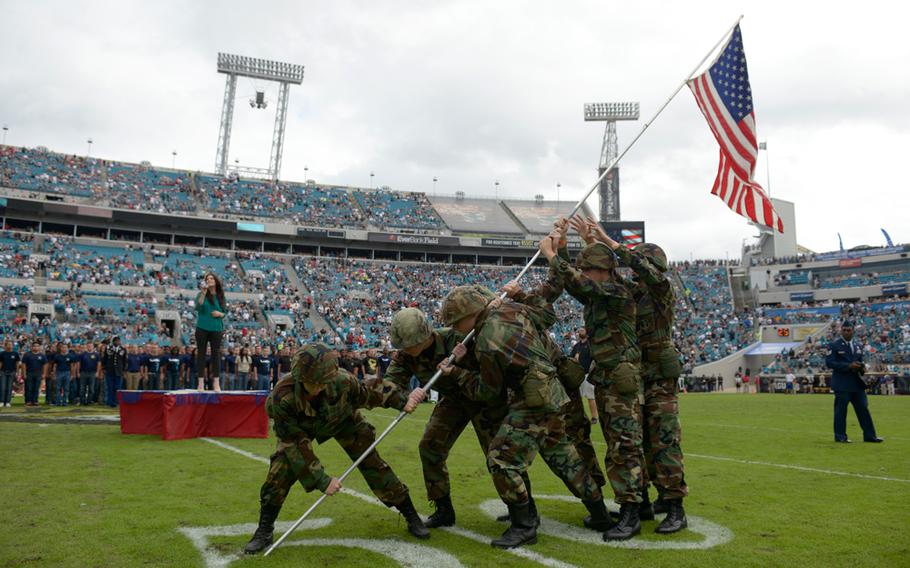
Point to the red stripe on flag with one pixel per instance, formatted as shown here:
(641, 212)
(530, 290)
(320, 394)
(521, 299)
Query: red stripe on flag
(731, 136)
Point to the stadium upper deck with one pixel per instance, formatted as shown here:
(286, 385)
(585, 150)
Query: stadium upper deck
(41, 172)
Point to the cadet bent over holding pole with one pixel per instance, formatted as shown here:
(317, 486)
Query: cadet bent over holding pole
(316, 402)
(420, 350)
(609, 314)
(660, 371)
(512, 358)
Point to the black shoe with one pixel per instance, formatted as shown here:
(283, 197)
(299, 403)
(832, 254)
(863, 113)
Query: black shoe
(675, 520)
(533, 507)
(875, 440)
(262, 538)
(645, 509)
(660, 507)
(844, 441)
(415, 524)
(523, 529)
(444, 515)
(629, 524)
(599, 520)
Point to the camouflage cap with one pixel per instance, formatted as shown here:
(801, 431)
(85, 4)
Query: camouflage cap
(410, 327)
(315, 364)
(654, 254)
(464, 301)
(596, 255)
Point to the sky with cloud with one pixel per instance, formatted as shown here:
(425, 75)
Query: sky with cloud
(472, 92)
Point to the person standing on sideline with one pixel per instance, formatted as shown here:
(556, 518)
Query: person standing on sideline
(262, 370)
(244, 364)
(790, 378)
(230, 370)
(210, 310)
(153, 368)
(845, 359)
(114, 363)
(88, 373)
(172, 370)
(9, 366)
(133, 368)
(64, 364)
(35, 365)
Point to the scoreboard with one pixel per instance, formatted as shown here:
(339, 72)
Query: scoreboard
(629, 233)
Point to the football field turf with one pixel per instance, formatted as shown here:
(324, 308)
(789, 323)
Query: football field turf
(768, 487)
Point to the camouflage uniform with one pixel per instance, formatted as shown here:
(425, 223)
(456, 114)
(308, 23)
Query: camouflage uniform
(452, 413)
(659, 369)
(609, 314)
(578, 427)
(512, 359)
(300, 419)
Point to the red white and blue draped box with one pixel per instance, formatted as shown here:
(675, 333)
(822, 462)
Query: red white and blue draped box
(176, 415)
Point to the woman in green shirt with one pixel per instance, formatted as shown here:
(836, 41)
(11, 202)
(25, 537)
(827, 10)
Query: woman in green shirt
(210, 310)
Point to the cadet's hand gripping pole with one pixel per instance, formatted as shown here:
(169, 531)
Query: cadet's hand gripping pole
(451, 358)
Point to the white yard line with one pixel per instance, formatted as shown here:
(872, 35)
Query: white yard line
(485, 540)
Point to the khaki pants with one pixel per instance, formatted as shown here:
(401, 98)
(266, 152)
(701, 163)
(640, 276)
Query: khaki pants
(131, 381)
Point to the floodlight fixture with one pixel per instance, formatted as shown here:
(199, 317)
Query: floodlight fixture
(611, 111)
(256, 68)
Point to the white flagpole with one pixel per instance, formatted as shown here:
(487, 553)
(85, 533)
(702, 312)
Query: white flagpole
(470, 336)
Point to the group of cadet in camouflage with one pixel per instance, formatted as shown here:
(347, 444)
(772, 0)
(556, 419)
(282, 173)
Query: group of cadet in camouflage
(519, 392)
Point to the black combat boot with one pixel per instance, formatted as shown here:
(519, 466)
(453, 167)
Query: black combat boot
(645, 509)
(523, 529)
(262, 538)
(629, 524)
(599, 520)
(660, 506)
(415, 524)
(532, 507)
(444, 515)
(675, 520)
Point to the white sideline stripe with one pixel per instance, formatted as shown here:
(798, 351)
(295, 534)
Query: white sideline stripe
(798, 468)
(213, 558)
(520, 552)
(770, 464)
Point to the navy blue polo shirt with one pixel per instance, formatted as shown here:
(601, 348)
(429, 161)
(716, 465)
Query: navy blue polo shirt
(34, 363)
(9, 360)
(134, 362)
(89, 361)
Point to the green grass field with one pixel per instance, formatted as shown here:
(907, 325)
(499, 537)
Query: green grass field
(768, 487)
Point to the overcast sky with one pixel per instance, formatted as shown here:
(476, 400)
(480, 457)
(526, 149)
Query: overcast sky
(473, 92)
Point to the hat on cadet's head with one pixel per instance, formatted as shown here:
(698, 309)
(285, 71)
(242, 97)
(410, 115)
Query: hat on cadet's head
(463, 301)
(115, 338)
(654, 254)
(596, 255)
(316, 363)
(847, 323)
(410, 327)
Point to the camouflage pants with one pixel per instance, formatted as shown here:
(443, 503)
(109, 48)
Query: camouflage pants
(354, 440)
(662, 435)
(578, 430)
(449, 419)
(619, 421)
(521, 436)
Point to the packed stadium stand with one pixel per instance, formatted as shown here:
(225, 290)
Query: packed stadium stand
(398, 209)
(140, 187)
(37, 169)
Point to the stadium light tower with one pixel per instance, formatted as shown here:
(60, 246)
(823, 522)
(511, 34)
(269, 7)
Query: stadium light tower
(284, 74)
(609, 186)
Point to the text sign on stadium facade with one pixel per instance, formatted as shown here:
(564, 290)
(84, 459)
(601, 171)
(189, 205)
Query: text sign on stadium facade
(319, 233)
(522, 243)
(894, 289)
(802, 296)
(850, 263)
(412, 239)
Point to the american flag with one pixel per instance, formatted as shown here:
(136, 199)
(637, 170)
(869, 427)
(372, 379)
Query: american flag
(725, 98)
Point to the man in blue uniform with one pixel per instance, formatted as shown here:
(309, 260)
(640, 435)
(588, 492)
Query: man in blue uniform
(88, 374)
(845, 359)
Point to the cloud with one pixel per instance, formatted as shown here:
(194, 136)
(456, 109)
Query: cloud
(473, 92)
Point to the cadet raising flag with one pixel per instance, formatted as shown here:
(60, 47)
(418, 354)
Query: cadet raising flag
(725, 98)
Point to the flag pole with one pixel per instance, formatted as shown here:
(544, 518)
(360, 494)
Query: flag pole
(451, 358)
